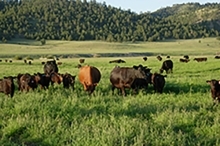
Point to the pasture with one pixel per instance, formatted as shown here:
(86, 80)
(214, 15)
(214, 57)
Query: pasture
(182, 115)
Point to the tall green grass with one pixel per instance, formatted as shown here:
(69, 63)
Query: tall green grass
(182, 115)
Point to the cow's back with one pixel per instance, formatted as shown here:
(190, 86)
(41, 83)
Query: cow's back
(89, 76)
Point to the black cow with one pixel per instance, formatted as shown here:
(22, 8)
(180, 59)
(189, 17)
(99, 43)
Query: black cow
(217, 57)
(43, 80)
(167, 66)
(124, 77)
(68, 80)
(215, 90)
(159, 58)
(50, 67)
(184, 60)
(200, 59)
(117, 61)
(186, 56)
(158, 82)
(7, 86)
(26, 82)
(145, 58)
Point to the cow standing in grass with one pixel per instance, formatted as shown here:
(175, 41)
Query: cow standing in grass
(167, 66)
(215, 90)
(7, 86)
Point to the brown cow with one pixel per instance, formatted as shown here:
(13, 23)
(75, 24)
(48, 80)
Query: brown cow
(59, 63)
(200, 59)
(89, 77)
(26, 82)
(184, 60)
(68, 80)
(159, 58)
(7, 86)
(215, 90)
(81, 60)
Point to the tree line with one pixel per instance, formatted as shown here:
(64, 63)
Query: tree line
(83, 20)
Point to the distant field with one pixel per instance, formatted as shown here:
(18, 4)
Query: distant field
(197, 47)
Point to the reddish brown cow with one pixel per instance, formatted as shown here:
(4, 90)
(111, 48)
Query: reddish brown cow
(201, 59)
(7, 86)
(184, 60)
(89, 77)
(215, 90)
(56, 78)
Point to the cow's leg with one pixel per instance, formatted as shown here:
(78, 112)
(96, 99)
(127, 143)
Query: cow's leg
(113, 88)
(123, 91)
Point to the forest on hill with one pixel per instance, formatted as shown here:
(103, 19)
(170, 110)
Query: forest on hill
(90, 20)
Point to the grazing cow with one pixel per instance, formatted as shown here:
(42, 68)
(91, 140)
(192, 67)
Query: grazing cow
(127, 77)
(117, 61)
(56, 78)
(145, 58)
(10, 61)
(217, 57)
(167, 66)
(42, 62)
(68, 80)
(184, 60)
(168, 56)
(158, 82)
(50, 67)
(215, 90)
(7, 86)
(26, 82)
(81, 60)
(29, 62)
(59, 63)
(0, 60)
(25, 61)
(186, 56)
(159, 58)
(43, 80)
(89, 77)
(6, 60)
(200, 59)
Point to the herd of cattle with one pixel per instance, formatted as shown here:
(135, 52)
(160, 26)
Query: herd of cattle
(135, 77)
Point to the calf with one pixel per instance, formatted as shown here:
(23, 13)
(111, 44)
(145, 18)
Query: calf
(56, 78)
(215, 90)
(158, 82)
(43, 80)
(167, 66)
(7, 86)
(68, 80)
(81, 60)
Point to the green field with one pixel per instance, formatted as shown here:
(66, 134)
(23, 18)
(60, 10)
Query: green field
(182, 115)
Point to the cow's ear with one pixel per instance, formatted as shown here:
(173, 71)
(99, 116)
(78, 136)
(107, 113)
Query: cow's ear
(74, 77)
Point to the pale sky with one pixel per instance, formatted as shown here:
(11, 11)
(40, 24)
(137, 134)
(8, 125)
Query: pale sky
(148, 5)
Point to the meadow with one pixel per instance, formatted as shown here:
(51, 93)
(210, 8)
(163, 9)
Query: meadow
(183, 115)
